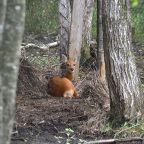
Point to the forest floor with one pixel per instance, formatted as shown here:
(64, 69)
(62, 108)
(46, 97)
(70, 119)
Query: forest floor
(43, 119)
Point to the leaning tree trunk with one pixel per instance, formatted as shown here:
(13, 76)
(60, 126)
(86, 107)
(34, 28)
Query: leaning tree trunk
(65, 23)
(121, 71)
(76, 32)
(87, 25)
(100, 51)
(9, 55)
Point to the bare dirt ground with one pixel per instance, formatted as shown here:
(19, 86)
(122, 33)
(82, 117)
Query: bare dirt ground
(43, 119)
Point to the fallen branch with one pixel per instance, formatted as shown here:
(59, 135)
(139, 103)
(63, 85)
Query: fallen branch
(32, 49)
(54, 44)
(32, 45)
(119, 141)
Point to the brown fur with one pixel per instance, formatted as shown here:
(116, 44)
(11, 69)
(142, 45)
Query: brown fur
(70, 68)
(61, 87)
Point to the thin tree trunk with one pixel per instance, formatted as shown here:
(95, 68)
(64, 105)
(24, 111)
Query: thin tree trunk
(87, 25)
(100, 51)
(3, 4)
(9, 54)
(76, 32)
(65, 23)
(122, 76)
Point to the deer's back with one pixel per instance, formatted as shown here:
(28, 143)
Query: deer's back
(59, 85)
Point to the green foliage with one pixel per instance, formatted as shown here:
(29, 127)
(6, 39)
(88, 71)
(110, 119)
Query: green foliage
(138, 23)
(69, 132)
(135, 3)
(41, 16)
(127, 129)
(130, 128)
(107, 129)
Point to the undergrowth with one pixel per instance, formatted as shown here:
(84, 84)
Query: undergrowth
(128, 129)
(42, 17)
(137, 22)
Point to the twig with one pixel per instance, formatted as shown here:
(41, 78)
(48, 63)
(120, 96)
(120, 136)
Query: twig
(101, 141)
(14, 132)
(114, 140)
(20, 139)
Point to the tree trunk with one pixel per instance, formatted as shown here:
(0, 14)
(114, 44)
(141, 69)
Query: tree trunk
(88, 13)
(65, 23)
(121, 71)
(100, 51)
(2, 19)
(9, 55)
(76, 32)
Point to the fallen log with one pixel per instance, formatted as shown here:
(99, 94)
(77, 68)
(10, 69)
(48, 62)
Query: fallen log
(32, 49)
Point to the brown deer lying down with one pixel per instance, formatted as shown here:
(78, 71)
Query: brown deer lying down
(63, 86)
(60, 86)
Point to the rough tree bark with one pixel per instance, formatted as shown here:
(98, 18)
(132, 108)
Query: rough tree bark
(100, 51)
(121, 71)
(65, 23)
(2, 19)
(87, 24)
(9, 55)
(76, 32)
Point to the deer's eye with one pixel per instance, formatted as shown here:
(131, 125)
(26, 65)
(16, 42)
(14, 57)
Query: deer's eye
(74, 64)
(68, 64)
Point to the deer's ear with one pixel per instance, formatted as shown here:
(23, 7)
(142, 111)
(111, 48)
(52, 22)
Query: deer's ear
(75, 59)
(64, 58)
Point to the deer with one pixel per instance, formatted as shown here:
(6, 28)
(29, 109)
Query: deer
(62, 86)
(69, 66)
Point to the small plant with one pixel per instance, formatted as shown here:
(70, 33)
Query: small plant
(69, 132)
(107, 129)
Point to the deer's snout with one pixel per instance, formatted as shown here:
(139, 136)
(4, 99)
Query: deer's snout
(72, 69)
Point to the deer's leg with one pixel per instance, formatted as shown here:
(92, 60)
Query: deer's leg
(76, 93)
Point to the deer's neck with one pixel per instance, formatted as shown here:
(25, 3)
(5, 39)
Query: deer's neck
(69, 76)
